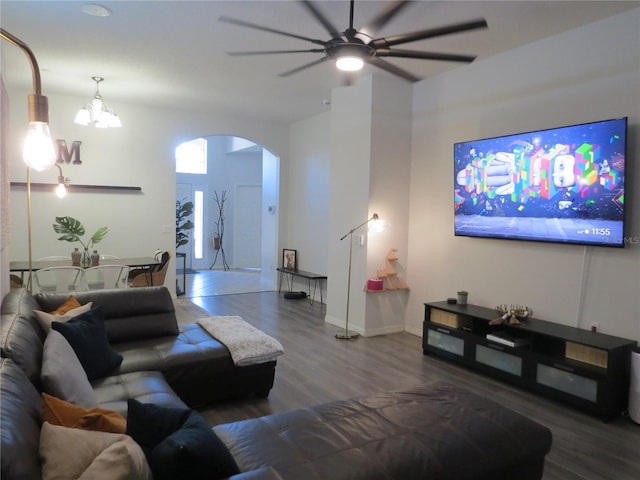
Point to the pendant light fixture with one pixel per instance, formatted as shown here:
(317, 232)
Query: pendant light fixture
(96, 112)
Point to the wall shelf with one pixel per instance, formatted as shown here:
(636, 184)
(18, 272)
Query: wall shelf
(389, 276)
(71, 188)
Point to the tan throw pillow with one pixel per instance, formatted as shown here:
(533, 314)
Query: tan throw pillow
(86, 455)
(71, 303)
(65, 414)
(45, 319)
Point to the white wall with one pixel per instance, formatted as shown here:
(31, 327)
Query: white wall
(369, 172)
(583, 75)
(350, 163)
(141, 153)
(307, 194)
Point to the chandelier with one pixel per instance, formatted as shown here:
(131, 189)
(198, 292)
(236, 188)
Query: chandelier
(97, 112)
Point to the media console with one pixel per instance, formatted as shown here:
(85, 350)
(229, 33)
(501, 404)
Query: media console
(589, 370)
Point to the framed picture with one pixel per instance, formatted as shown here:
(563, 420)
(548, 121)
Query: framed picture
(290, 259)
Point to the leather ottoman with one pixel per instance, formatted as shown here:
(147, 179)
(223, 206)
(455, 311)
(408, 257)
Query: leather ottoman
(435, 431)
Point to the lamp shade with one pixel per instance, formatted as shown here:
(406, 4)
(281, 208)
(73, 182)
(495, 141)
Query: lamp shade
(83, 117)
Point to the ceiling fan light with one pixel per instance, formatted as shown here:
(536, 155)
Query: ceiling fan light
(349, 63)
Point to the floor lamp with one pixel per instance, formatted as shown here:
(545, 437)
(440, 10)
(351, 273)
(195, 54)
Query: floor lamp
(346, 335)
(38, 150)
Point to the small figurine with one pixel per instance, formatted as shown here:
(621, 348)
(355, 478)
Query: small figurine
(514, 314)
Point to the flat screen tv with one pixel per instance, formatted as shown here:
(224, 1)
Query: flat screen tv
(557, 185)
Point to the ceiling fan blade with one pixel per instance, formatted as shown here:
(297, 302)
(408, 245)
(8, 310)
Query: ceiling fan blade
(384, 65)
(242, 23)
(429, 33)
(380, 20)
(333, 31)
(303, 67)
(270, 52)
(451, 57)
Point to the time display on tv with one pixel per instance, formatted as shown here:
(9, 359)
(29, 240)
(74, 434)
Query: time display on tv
(562, 185)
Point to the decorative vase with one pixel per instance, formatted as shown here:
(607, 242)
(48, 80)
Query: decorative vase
(95, 258)
(462, 298)
(85, 261)
(75, 257)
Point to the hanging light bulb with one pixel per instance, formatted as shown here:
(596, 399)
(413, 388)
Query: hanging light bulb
(63, 182)
(97, 112)
(38, 150)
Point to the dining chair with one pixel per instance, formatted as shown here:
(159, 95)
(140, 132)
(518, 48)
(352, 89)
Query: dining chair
(59, 279)
(152, 276)
(107, 276)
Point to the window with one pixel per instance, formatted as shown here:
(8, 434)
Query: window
(191, 157)
(198, 227)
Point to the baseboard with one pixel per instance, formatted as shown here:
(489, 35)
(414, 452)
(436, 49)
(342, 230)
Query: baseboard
(367, 332)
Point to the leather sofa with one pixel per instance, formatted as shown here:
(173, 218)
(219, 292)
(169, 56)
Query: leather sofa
(163, 363)
(435, 431)
(141, 325)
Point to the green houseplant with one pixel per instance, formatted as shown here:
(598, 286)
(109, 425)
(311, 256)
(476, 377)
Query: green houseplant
(183, 224)
(72, 230)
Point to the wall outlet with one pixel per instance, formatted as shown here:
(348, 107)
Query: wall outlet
(595, 326)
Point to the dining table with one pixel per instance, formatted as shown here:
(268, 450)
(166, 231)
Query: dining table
(22, 266)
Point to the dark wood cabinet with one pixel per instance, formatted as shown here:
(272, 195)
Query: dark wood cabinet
(589, 370)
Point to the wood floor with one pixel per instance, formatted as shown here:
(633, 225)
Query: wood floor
(317, 367)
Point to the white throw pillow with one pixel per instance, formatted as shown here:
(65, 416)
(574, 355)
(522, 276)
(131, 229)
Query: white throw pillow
(72, 453)
(45, 319)
(62, 373)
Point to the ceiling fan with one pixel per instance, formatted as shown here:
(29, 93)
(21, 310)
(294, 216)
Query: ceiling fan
(351, 48)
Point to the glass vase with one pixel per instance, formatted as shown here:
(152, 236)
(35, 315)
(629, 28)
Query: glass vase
(85, 261)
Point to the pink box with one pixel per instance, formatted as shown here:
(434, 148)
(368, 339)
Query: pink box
(374, 284)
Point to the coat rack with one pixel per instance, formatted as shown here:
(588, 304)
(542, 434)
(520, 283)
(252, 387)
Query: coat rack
(217, 240)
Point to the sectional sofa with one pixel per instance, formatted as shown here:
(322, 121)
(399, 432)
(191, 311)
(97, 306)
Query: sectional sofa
(436, 431)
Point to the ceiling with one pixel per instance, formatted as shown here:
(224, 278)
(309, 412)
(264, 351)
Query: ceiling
(172, 54)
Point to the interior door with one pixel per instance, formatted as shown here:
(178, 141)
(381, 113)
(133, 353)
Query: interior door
(248, 227)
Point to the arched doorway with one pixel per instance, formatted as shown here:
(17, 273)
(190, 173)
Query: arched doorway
(235, 214)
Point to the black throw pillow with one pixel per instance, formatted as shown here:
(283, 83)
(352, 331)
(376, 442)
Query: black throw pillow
(178, 443)
(88, 338)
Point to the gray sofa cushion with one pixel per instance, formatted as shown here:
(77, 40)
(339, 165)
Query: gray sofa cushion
(21, 338)
(113, 392)
(138, 313)
(20, 417)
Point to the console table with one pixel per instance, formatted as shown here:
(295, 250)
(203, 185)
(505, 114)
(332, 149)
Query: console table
(589, 370)
(311, 277)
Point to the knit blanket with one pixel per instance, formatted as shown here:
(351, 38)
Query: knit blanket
(247, 344)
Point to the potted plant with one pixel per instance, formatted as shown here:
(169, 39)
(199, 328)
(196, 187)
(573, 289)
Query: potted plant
(183, 224)
(462, 297)
(72, 230)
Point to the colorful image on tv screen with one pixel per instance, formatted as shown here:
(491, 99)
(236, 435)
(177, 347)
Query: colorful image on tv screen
(560, 185)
